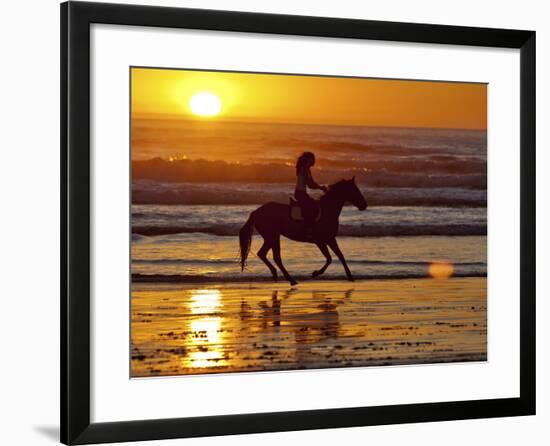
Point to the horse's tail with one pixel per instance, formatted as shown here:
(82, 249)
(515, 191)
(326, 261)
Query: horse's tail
(245, 239)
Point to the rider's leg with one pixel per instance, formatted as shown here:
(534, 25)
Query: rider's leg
(309, 210)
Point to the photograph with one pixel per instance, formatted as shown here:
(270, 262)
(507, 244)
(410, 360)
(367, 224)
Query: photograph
(283, 222)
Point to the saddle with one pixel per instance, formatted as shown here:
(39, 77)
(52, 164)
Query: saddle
(296, 211)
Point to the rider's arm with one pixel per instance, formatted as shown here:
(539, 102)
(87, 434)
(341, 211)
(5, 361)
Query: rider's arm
(311, 182)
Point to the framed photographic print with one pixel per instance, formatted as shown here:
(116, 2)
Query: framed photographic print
(276, 223)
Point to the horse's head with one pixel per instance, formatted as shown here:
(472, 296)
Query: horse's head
(349, 191)
(355, 196)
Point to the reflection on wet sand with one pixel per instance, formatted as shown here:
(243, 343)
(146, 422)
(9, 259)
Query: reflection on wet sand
(204, 346)
(197, 329)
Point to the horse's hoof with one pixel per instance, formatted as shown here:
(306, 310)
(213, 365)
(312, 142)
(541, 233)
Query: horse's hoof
(315, 273)
(351, 279)
(293, 282)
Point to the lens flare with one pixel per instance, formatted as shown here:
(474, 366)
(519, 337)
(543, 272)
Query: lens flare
(441, 270)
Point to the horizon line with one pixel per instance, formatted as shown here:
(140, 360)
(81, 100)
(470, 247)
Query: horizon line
(177, 117)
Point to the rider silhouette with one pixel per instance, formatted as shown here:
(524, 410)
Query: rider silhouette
(304, 180)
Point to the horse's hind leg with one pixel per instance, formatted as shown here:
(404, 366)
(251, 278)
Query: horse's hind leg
(324, 250)
(262, 254)
(279, 262)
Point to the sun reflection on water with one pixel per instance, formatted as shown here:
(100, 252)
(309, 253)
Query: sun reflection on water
(205, 301)
(205, 349)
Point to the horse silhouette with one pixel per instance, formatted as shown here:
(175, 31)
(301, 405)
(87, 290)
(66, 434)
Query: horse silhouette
(272, 220)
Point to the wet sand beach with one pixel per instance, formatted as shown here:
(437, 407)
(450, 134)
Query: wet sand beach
(201, 328)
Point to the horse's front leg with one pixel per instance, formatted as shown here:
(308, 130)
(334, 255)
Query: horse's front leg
(334, 246)
(324, 250)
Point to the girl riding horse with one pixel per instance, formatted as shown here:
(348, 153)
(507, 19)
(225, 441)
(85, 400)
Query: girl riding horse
(272, 220)
(304, 180)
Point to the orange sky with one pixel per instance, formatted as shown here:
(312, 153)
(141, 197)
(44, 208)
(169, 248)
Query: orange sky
(313, 100)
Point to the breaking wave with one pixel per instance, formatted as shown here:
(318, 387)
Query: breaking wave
(344, 230)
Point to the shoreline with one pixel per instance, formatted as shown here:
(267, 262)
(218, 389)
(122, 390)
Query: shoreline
(302, 279)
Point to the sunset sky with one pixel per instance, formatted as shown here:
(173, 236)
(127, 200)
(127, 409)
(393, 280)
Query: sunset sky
(312, 100)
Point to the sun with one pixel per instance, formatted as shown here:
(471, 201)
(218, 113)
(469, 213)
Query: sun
(205, 104)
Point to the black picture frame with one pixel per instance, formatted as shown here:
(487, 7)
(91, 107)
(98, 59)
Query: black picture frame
(76, 18)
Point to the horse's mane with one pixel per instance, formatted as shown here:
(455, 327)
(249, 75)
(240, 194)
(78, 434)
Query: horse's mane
(333, 187)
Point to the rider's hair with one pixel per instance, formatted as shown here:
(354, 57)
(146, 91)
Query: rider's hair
(303, 160)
